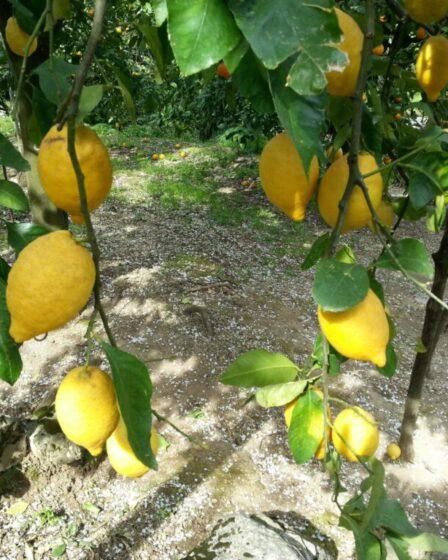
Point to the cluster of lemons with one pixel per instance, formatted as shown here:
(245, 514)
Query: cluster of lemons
(354, 432)
(87, 411)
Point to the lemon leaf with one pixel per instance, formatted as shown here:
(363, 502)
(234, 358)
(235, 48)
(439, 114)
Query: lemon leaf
(412, 255)
(12, 196)
(10, 156)
(18, 508)
(303, 437)
(10, 360)
(20, 234)
(317, 251)
(339, 286)
(258, 368)
(279, 394)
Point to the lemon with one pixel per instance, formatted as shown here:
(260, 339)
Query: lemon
(17, 39)
(332, 188)
(426, 11)
(344, 83)
(283, 176)
(58, 176)
(317, 427)
(48, 285)
(86, 407)
(385, 213)
(432, 66)
(359, 333)
(120, 453)
(355, 434)
(393, 451)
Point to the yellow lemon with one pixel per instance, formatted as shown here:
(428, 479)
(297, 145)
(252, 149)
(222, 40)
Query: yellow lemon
(355, 434)
(393, 451)
(385, 213)
(333, 154)
(426, 11)
(432, 66)
(58, 176)
(86, 407)
(17, 39)
(359, 333)
(344, 83)
(283, 176)
(120, 453)
(317, 428)
(48, 285)
(332, 189)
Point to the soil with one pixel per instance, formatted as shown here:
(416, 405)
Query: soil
(156, 265)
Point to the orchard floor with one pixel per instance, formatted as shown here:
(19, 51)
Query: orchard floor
(183, 232)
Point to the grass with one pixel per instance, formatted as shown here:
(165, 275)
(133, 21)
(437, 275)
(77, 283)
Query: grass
(6, 126)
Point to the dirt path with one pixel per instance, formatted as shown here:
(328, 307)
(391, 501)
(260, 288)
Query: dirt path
(156, 264)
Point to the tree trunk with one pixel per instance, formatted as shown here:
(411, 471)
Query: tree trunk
(436, 322)
(43, 211)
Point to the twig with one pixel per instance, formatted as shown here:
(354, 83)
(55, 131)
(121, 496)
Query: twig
(179, 430)
(399, 37)
(205, 287)
(204, 316)
(70, 106)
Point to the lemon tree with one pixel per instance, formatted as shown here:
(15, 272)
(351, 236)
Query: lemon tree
(360, 78)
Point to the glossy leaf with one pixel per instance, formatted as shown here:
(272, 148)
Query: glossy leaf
(317, 251)
(390, 368)
(160, 10)
(202, 32)
(10, 156)
(4, 269)
(293, 26)
(376, 496)
(400, 547)
(339, 286)
(413, 257)
(55, 78)
(13, 197)
(280, 394)
(306, 428)
(20, 234)
(10, 360)
(234, 57)
(306, 130)
(251, 80)
(393, 517)
(134, 390)
(90, 98)
(258, 368)
(427, 542)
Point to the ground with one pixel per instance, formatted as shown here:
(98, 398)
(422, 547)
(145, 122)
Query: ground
(174, 234)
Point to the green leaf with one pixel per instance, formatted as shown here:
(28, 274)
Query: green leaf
(428, 176)
(55, 78)
(400, 548)
(125, 87)
(154, 39)
(376, 496)
(412, 256)
(20, 234)
(421, 189)
(160, 10)
(202, 32)
(346, 255)
(307, 427)
(339, 286)
(437, 215)
(91, 508)
(368, 547)
(13, 197)
(334, 358)
(377, 288)
(307, 74)
(10, 361)
(235, 56)
(251, 80)
(317, 251)
(393, 517)
(58, 550)
(306, 130)
(277, 30)
(280, 394)
(23, 12)
(134, 390)
(90, 97)
(427, 542)
(10, 156)
(390, 368)
(258, 368)
(4, 269)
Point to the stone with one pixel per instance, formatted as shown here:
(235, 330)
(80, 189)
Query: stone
(263, 537)
(53, 448)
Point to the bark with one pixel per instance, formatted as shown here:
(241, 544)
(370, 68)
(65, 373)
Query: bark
(43, 211)
(436, 322)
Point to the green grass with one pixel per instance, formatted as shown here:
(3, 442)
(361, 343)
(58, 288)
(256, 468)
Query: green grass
(6, 126)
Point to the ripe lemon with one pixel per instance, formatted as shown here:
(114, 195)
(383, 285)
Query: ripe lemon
(432, 66)
(393, 451)
(332, 189)
(385, 213)
(48, 285)
(17, 39)
(86, 407)
(344, 83)
(359, 333)
(333, 155)
(317, 428)
(426, 11)
(120, 453)
(58, 176)
(378, 50)
(283, 176)
(355, 434)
